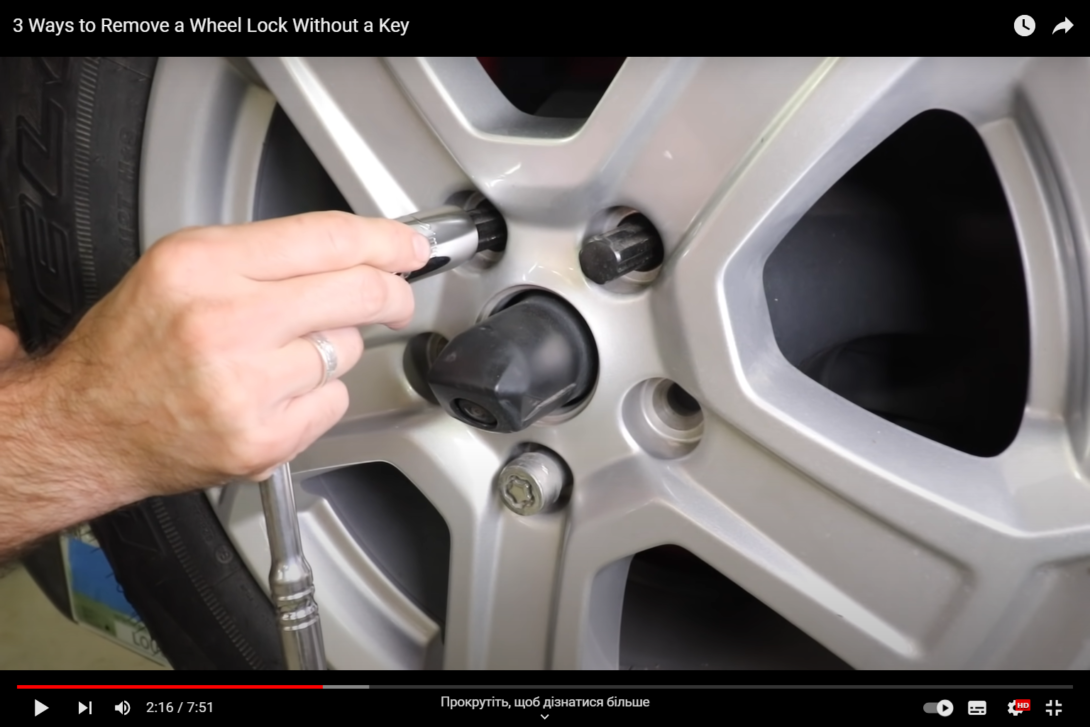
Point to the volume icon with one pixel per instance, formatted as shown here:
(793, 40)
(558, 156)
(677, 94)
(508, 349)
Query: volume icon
(122, 707)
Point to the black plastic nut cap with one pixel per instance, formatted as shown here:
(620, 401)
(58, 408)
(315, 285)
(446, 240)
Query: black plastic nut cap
(528, 360)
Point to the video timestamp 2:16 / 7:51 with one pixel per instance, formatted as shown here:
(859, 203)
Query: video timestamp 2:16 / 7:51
(179, 707)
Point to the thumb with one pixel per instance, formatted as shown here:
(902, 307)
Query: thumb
(9, 344)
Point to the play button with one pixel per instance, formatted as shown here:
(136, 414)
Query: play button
(39, 707)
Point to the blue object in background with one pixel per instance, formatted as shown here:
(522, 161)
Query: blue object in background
(93, 578)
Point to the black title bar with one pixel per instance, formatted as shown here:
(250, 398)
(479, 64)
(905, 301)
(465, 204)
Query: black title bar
(737, 29)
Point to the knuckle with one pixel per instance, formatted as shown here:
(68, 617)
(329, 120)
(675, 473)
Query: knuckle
(340, 228)
(356, 341)
(338, 401)
(172, 262)
(372, 292)
(347, 221)
(403, 305)
(335, 406)
(353, 337)
(349, 345)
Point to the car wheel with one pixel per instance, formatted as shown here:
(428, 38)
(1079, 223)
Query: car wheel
(841, 425)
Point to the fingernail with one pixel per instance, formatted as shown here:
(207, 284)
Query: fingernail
(422, 247)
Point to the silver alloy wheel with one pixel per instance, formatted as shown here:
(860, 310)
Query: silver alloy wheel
(889, 549)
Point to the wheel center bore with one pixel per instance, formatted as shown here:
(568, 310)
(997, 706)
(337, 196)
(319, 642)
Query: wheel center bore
(531, 358)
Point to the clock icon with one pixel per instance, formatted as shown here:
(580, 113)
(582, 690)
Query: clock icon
(1024, 25)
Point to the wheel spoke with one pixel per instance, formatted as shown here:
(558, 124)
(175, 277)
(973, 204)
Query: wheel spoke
(362, 129)
(367, 622)
(488, 624)
(502, 592)
(713, 305)
(704, 137)
(949, 515)
(921, 594)
(453, 469)
(529, 165)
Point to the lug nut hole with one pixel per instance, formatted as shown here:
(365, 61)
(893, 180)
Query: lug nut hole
(664, 419)
(681, 402)
(420, 353)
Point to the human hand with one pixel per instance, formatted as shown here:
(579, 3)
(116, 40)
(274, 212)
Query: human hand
(193, 370)
(9, 344)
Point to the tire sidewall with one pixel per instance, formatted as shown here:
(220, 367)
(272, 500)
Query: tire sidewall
(71, 131)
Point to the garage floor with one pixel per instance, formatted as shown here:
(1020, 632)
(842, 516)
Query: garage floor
(34, 635)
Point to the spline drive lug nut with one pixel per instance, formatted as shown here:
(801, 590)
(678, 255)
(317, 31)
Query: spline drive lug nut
(633, 245)
(531, 483)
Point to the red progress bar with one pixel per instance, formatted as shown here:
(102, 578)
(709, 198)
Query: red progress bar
(171, 686)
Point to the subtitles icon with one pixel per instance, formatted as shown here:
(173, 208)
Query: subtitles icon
(1018, 706)
(978, 708)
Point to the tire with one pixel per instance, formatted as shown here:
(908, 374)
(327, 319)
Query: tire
(70, 142)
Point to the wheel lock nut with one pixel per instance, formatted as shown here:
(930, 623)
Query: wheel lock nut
(532, 482)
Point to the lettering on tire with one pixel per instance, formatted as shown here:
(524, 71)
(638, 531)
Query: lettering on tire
(38, 151)
(47, 244)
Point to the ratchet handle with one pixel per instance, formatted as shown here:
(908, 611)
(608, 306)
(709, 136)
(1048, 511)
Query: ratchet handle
(291, 580)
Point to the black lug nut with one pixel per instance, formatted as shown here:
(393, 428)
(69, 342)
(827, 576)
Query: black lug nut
(533, 357)
(491, 228)
(632, 245)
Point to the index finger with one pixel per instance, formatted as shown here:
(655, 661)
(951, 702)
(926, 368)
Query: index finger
(321, 242)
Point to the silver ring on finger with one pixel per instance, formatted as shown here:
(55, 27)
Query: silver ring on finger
(328, 354)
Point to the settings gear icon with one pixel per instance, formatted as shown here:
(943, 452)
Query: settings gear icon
(1012, 710)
